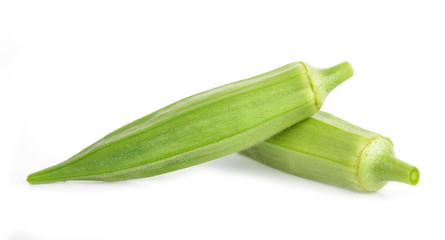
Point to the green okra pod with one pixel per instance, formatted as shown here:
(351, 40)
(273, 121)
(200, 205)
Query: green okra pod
(203, 127)
(328, 149)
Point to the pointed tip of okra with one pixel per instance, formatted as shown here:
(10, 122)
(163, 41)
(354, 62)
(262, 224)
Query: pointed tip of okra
(43, 176)
(324, 80)
(34, 179)
(30, 179)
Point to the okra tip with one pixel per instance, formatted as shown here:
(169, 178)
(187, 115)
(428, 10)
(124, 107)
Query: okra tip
(40, 177)
(32, 180)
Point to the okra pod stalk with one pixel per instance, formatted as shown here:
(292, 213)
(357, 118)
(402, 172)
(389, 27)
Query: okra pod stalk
(203, 127)
(328, 149)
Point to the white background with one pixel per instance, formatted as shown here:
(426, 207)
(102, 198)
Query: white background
(73, 71)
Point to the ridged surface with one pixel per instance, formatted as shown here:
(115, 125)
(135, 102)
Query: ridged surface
(194, 130)
(328, 149)
(323, 148)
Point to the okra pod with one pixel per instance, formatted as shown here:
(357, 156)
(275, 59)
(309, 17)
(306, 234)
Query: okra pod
(203, 127)
(328, 149)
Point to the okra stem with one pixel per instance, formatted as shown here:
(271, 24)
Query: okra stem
(325, 80)
(390, 168)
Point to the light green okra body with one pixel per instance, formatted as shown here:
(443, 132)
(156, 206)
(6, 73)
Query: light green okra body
(328, 149)
(203, 127)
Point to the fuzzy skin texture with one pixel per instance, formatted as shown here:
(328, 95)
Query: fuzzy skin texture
(328, 149)
(199, 128)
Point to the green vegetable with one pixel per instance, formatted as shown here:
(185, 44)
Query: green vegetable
(328, 149)
(203, 127)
